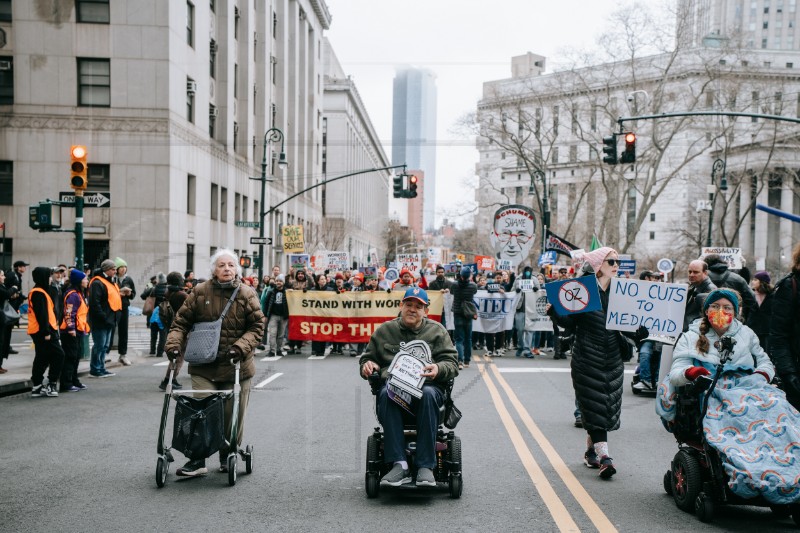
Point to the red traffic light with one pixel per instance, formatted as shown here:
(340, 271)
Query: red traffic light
(78, 177)
(630, 137)
(78, 151)
(412, 179)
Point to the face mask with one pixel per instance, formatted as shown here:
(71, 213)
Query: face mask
(719, 318)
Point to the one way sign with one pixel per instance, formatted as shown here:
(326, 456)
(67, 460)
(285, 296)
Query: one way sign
(90, 199)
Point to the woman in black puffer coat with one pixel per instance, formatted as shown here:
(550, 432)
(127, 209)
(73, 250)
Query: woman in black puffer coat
(597, 365)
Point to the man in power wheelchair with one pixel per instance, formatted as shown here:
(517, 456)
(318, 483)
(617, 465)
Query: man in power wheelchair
(411, 363)
(739, 437)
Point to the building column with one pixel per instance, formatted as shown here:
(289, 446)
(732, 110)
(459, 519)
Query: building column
(786, 225)
(761, 235)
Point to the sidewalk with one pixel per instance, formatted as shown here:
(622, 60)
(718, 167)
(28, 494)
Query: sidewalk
(18, 377)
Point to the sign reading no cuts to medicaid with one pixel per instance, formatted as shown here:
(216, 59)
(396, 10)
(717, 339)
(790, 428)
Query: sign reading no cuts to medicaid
(657, 306)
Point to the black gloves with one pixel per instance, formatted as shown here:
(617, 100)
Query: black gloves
(641, 334)
(519, 290)
(173, 354)
(235, 353)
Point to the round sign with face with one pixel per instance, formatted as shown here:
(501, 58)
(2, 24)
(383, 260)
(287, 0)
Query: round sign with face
(513, 233)
(573, 296)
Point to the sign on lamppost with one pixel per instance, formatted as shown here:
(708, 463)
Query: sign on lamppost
(90, 199)
(247, 224)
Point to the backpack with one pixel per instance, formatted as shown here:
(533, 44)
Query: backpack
(166, 314)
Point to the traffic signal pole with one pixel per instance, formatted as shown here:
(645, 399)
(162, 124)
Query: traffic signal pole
(79, 229)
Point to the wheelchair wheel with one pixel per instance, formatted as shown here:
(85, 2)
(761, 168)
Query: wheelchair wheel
(795, 513)
(668, 482)
(248, 459)
(372, 482)
(704, 508)
(232, 470)
(455, 452)
(456, 485)
(781, 511)
(161, 471)
(686, 480)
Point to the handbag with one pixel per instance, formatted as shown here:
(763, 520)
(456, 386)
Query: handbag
(202, 342)
(468, 309)
(149, 305)
(10, 314)
(452, 415)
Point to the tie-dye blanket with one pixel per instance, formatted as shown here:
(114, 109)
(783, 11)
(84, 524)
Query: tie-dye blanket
(755, 430)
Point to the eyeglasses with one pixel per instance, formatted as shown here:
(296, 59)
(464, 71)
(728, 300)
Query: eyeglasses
(612, 262)
(522, 238)
(717, 307)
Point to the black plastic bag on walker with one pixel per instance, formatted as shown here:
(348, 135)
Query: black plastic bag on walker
(199, 428)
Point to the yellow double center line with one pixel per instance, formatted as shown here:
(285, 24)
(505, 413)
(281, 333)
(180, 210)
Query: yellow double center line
(559, 512)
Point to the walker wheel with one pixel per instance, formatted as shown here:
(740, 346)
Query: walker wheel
(162, 466)
(232, 470)
(248, 459)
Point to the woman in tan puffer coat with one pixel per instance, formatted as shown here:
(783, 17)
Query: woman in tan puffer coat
(242, 330)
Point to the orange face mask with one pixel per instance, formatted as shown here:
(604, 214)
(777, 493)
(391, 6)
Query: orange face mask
(719, 318)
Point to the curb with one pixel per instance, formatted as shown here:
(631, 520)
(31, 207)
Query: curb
(19, 387)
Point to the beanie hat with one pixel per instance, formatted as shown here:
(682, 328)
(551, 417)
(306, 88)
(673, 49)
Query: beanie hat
(763, 276)
(120, 262)
(76, 277)
(280, 278)
(161, 278)
(718, 294)
(108, 264)
(466, 273)
(596, 257)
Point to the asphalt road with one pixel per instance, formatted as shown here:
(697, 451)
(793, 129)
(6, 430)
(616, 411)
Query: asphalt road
(86, 461)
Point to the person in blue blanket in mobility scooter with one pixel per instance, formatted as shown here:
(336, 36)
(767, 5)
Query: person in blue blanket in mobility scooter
(740, 443)
(412, 361)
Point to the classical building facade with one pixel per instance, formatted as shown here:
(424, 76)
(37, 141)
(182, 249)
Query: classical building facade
(535, 129)
(172, 100)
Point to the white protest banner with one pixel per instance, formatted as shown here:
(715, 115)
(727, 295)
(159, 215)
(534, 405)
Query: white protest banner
(413, 262)
(732, 256)
(657, 306)
(449, 320)
(495, 311)
(536, 318)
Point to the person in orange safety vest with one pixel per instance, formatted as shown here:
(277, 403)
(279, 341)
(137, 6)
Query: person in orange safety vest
(105, 308)
(74, 327)
(43, 329)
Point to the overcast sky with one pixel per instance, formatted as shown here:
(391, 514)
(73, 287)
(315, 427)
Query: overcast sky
(465, 43)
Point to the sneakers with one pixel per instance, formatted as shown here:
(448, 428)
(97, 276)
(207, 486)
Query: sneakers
(80, 386)
(271, 354)
(466, 365)
(643, 386)
(261, 347)
(590, 459)
(193, 469)
(397, 476)
(37, 391)
(578, 422)
(124, 360)
(536, 351)
(425, 478)
(107, 374)
(606, 467)
(50, 391)
(223, 468)
(461, 366)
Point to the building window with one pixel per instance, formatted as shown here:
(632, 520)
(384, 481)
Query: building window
(593, 119)
(235, 135)
(236, 17)
(555, 155)
(190, 24)
(573, 154)
(237, 207)
(273, 62)
(555, 121)
(212, 63)
(92, 11)
(213, 6)
(223, 205)
(274, 24)
(236, 80)
(191, 89)
(94, 82)
(256, 213)
(98, 177)
(6, 183)
(190, 257)
(6, 80)
(191, 194)
(652, 217)
(575, 119)
(631, 207)
(212, 120)
(214, 201)
(5, 10)
(652, 235)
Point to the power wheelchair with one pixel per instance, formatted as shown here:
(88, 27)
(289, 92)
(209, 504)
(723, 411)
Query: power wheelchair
(447, 471)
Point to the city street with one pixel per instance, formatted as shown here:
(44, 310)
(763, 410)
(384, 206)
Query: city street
(86, 461)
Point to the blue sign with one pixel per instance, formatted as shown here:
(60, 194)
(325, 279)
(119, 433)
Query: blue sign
(547, 258)
(472, 266)
(573, 296)
(628, 266)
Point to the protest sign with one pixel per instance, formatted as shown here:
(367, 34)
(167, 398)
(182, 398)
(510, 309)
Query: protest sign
(338, 261)
(547, 258)
(369, 272)
(526, 285)
(504, 264)
(513, 233)
(485, 262)
(626, 265)
(346, 317)
(292, 239)
(391, 274)
(573, 296)
(412, 262)
(657, 306)
(577, 257)
(451, 269)
(298, 261)
(447, 312)
(495, 311)
(732, 256)
(557, 244)
(435, 255)
(536, 318)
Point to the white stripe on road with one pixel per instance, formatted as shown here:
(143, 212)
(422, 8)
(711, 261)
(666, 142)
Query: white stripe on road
(162, 363)
(318, 357)
(273, 358)
(543, 369)
(269, 379)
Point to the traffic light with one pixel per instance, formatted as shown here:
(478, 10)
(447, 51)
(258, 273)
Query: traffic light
(78, 179)
(45, 216)
(245, 261)
(412, 186)
(610, 149)
(629, 155)
(398, 186)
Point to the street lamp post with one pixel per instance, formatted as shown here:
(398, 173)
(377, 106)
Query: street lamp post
(272, 135)
(545, 202)
(717, 169)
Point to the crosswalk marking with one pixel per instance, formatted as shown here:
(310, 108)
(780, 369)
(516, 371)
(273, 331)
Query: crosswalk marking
(542, 370)
(269, 379)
